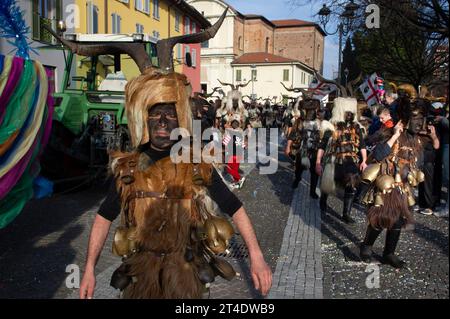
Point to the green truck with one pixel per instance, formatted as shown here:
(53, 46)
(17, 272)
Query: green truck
(89, 117)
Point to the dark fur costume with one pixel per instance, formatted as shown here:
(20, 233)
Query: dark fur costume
(402, 161)
(163, 224)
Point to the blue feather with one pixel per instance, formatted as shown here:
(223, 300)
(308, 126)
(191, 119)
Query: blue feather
(13, 26)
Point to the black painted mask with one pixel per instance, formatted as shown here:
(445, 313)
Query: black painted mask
(415, 124)
(349, 117)
(162, 119)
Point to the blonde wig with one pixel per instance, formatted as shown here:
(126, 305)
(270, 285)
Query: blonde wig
(152, 88)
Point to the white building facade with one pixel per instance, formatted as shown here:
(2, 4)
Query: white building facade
(269, 72)
(238, 49)
(218, 53)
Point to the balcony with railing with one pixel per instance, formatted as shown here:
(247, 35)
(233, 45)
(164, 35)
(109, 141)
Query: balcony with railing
(39, 32)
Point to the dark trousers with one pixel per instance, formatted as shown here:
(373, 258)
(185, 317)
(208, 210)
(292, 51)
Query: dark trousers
(438, 176)
(427, 198)
(312, 170)
(392, 237)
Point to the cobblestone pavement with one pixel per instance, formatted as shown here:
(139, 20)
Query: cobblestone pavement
(425, 249)
(299, 271)
(52, 233)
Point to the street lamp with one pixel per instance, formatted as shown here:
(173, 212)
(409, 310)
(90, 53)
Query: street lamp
(344, 26)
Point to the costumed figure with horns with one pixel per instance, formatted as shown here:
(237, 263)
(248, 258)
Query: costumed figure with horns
(233, 107)
(342, 149)
(169, 235)
(304, 139)
(390, 178)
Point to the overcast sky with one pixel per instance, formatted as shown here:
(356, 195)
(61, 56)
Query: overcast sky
(280, 9)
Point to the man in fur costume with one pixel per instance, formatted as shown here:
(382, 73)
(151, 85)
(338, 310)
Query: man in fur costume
(304, 140)
(169, 235)
(254, 116)
(233, 107)
(343, 150)
(392, 175)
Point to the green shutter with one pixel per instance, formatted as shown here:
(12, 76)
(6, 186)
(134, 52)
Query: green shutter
(285, 75)
(36, 21)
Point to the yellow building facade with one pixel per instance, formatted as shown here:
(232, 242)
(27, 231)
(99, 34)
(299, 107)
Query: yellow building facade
(158, 18)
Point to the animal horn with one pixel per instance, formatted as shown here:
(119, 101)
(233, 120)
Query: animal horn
(339, 86)
(307, 94)
(212, 93)
(135, 50)
(243, 85)
(352, 83)
(233, 87)
(165, 47)
(296, 90)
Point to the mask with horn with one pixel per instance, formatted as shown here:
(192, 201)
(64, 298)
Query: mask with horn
(306, 104)
(345, 107)
(166, 86)
(234, 97)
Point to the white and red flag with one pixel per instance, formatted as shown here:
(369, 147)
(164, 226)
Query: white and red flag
(371, 90)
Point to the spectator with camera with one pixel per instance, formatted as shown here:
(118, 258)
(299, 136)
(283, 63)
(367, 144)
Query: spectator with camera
(431, 144)
(441, 176)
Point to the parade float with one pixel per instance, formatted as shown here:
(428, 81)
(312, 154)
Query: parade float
(26, 110)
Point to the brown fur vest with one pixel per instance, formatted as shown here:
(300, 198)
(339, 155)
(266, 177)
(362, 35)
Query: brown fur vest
(160, 200)
(401, 163)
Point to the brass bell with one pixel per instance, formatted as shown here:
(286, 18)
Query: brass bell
(385, 182)
(124, 241)
(411, 200)
(220, 227)
(371, 172)
(217, 234)
(223, 268)
(379, 200)
(420, 176)
(217, 246)
(412, 180)
(224, 228)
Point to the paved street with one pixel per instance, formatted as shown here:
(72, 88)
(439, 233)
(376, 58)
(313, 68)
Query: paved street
(311, 255)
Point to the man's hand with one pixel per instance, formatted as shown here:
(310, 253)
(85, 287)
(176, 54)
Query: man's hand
(287, 151)
(97, 239)
(432, 131)
(261, 275)
(433, 135)
(398, 129)
(319, 169)
(363, 166)
(87, 285)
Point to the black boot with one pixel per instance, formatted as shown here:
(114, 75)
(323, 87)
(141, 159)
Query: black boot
(314, 179)
(295, 183)
(365, 252)
(313, 194)
(348, 203)
(361, 193)
(298, 173)
(323, 203)
(389, 257)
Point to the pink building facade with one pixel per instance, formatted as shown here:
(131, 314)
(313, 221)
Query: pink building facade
(192, 73)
